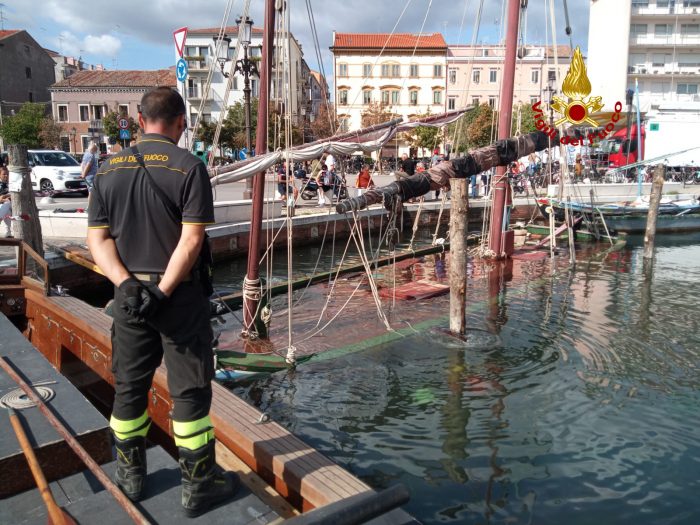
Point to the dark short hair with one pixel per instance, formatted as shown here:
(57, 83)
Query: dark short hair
(162, 103)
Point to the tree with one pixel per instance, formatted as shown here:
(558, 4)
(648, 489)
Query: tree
(326, 122)
(50, 133)
(527, 119)
(110, 125)
(474, 129)
(424, 137)
(24, 127)
(376, 113)
(233, 127)
(205, 132)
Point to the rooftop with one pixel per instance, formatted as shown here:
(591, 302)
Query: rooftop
(8, 32)
(113, 79)
(389, 41)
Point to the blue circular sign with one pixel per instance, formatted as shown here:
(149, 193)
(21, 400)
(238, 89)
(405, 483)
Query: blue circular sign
(181, 69)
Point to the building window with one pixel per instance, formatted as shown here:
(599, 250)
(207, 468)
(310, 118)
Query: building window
(254, 87)
(65, 144)
(391, 70)
(476, 101)
(62, 113)
(690, 31)
(437, 96)
(493, 75)
(28, 72)
(343, 97)
(395, 96)
(534, 99)
(535, 76)
(485, 52)
(413, 97)
(437, 70)
(98, 112)
(451, 102)
(552, 75)
(476, 76)
(84, 113)
(413, 70)
(342, 70)
(344, 123)
(124, 109)
(30, 97)
(492, 101)
(687, 89)
(367, 70)
(235, 83)
(85, 140)
(452, 74)
(637, 30)
(640, 3)
(367, 96)
(192, 88)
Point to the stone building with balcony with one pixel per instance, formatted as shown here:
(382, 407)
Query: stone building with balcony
(405, 73)
(653, 42)
(475, 74)
(80, 102)
(199, 52)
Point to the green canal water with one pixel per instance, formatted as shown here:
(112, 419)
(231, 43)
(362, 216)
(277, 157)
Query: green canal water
(573, 400)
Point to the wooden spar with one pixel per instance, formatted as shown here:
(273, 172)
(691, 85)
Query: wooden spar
(251, 299)
(656, 190)
(500, 183)
(458, 255)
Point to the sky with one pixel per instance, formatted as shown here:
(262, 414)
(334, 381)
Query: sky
(137, 34)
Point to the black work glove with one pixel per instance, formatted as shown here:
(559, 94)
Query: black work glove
(152, 298)
(131, 288)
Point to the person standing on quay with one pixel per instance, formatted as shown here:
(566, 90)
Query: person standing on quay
(151, 250)
(89, 165)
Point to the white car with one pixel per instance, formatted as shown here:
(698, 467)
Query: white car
(55, 171)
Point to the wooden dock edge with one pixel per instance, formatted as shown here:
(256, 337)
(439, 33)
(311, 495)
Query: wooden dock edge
(65, 329)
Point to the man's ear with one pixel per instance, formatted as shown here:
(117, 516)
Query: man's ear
(142, 123)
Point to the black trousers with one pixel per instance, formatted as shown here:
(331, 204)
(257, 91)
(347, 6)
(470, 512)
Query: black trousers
(181, 332)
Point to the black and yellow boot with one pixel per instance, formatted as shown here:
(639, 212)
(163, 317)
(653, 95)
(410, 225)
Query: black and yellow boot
(130, 442)
(204, 483)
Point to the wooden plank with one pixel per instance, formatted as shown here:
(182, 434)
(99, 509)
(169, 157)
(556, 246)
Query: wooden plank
(296, 469)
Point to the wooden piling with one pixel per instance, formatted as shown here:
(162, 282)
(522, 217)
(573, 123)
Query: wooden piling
(654, 200)
(458, 255)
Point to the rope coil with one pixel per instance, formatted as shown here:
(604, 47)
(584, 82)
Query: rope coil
(17, 399)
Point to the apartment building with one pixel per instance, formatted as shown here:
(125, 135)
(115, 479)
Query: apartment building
(199, 52)
(405, 73)
(80, 102)
(655, 42)
(475, 74)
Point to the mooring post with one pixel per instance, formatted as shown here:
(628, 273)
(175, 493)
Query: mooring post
(458, 255)
(656, 190)
(26, 216)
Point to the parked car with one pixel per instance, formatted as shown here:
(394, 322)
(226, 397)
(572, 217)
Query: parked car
(55, 171)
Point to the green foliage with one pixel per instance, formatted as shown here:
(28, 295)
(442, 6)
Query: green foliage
(474, 129)
(111, 127)
(527, 119)
(424, 137)
(25, 126)
(376, 113)
(50, 133)
(233, 127)
(326, 122)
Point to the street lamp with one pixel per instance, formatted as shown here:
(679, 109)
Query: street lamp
(246, 67)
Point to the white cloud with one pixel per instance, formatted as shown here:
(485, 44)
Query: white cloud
(105, 45)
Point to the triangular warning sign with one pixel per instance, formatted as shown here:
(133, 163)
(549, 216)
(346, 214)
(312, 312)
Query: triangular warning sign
(180, 35)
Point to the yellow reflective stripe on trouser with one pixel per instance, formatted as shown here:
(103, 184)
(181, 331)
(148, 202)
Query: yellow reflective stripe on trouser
(193, 434)
(130, 428)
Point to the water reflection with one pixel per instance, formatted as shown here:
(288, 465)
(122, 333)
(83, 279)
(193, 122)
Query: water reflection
(581, 408)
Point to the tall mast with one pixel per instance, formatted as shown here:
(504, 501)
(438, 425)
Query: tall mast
(499, 223)
(251, 285)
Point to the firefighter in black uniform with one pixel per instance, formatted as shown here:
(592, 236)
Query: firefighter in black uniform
(160, 307)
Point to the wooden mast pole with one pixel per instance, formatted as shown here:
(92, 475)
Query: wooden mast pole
(251, 286)
(657, 189)
(459, 211)
(500, 183)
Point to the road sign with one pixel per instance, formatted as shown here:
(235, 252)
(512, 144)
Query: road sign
(180, 35)
(181, 69)
(124, 134)
(123, 123)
